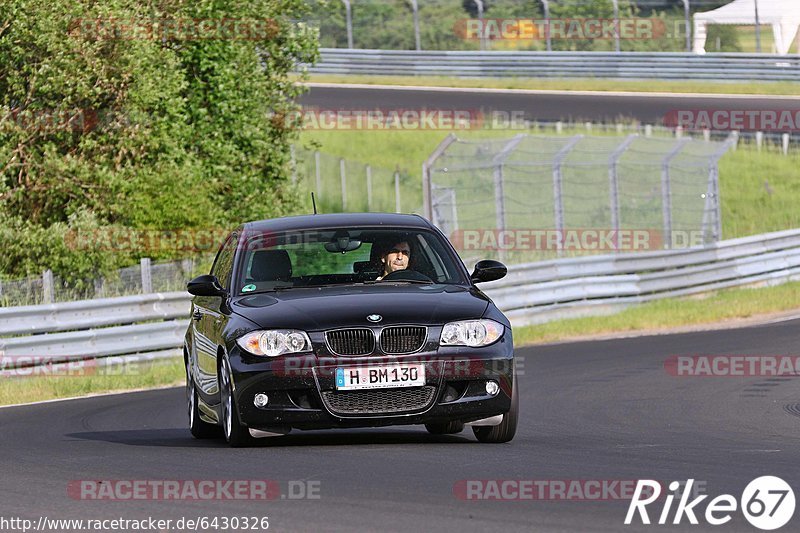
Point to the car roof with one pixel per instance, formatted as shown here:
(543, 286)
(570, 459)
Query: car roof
(303, 222)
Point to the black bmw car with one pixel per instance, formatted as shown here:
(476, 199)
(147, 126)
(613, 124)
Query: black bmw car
(345, 321)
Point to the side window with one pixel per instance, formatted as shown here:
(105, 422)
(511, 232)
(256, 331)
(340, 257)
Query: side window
(223, 265)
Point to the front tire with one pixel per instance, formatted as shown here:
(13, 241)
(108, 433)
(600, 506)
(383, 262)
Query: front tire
(504, 431)
(198, 427)
(236, 434)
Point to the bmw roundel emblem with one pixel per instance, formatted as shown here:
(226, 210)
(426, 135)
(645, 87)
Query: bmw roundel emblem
(374, 318)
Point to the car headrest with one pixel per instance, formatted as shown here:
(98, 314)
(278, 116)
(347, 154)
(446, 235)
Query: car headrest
(271, 265)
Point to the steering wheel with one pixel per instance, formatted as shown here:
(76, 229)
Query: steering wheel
(406, 275)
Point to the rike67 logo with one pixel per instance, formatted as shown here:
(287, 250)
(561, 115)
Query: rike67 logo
(767, 503)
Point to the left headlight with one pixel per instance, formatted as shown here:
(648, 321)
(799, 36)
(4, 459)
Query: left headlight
(474, 333)
(275, 342)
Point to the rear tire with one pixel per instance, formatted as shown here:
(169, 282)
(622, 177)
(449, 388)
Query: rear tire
(199, 428)
(505, 431)
(235, 433)
(445, 428)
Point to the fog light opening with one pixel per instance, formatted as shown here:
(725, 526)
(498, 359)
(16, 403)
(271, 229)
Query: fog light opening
(260, 400)
(450, 394)
(492, 388)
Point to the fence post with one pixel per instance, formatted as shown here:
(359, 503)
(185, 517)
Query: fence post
(343, 174)
(348, 15)
(613, 183)
(759, 139)
(785, 139)
(147, 280)
(369, 187)
(415, 9)
(558, 199)
(397, 192)
(666, 192)
(48, 291)
(427, 186)
(546, 5)
(616, 25)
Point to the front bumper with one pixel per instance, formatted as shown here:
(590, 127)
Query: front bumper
(302, 393)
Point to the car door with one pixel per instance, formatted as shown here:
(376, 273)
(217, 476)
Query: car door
(208, 319)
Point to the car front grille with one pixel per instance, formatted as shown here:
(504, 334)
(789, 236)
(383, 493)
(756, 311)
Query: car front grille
(402, 339)
(356, 341)
(382, 401)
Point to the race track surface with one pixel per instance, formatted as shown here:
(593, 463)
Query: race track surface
(577, 107)
(603, 410)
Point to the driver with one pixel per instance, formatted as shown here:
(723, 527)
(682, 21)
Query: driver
(395, 258)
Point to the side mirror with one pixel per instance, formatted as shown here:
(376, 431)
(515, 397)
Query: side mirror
(488, 270)
(205, 285)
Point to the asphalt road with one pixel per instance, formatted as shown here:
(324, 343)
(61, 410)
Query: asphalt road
(545, 106)
(604, 410)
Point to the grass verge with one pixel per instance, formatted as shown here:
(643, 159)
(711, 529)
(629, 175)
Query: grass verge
(725, 305)
(34, 388)
(578, 84)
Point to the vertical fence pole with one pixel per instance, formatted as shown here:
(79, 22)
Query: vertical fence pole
(613, 182)
(147, 280)
(368, 170)
(317, 174)
(688, 21)
(666, 192)
(348, 14)
(482, 39)
(415, 14)
(616, 25)
(48, 291)
(558, 197)
(785, 139)
(759, 139)
(343, 175)
(546, 5)
(397, 192)
(648, 130)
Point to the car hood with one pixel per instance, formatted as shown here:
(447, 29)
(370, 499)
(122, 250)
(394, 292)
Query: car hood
(315, 309)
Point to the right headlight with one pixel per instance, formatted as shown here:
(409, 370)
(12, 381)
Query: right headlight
(275, 342)
(473, 333)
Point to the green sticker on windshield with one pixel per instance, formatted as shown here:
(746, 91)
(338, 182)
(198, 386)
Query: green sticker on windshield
(249, 288)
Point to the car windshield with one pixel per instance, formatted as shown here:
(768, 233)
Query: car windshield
(345, 256)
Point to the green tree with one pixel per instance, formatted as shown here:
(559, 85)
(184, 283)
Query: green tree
(125, 113)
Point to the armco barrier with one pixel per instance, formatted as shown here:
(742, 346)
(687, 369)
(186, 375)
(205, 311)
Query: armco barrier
(521, 64)
(531, 293)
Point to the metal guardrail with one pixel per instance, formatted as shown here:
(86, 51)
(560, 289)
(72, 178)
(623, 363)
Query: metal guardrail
(531, 293)
(539, 292)
(520, 64)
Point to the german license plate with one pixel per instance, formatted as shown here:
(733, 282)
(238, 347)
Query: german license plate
(380, 376)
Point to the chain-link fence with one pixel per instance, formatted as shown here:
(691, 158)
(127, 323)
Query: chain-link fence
(343, 185)
(144, 278)
(534, 197)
